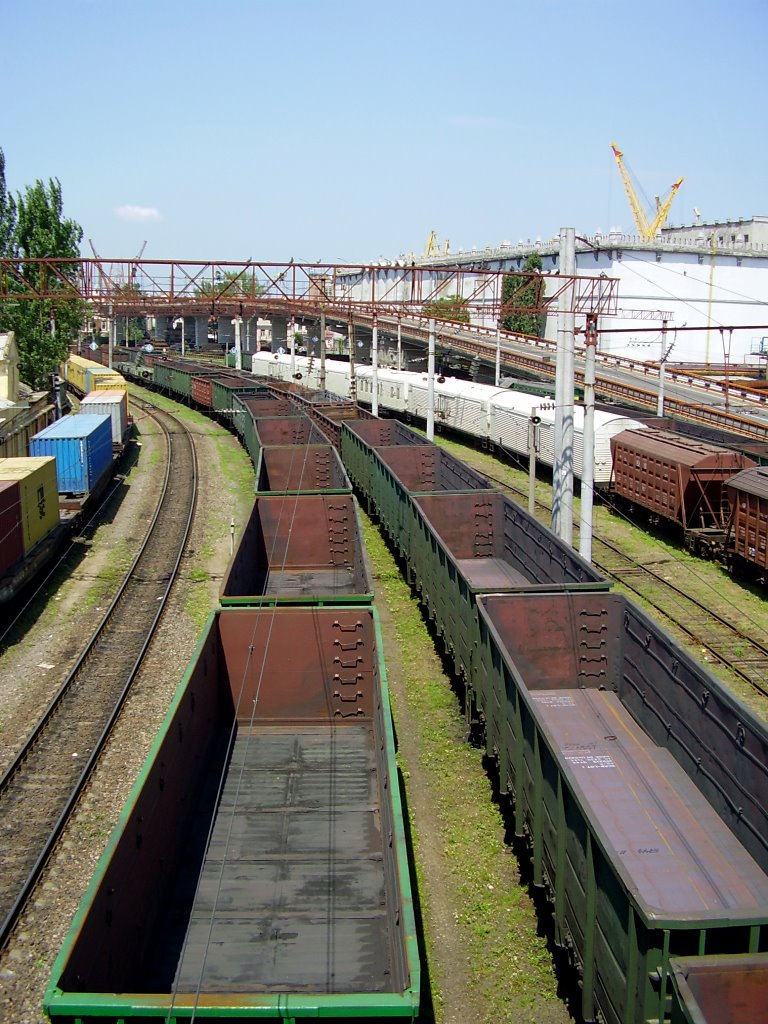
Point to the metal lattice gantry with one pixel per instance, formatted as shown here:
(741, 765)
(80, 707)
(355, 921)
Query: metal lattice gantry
(134, 286)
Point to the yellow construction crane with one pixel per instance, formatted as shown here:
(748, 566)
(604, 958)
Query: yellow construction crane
(647, 229)
(433, 246)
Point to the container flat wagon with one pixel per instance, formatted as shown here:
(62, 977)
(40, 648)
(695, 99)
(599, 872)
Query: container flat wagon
(259, 869)
(301, 469)
(82, 447)
(641, 783)
(303, 548)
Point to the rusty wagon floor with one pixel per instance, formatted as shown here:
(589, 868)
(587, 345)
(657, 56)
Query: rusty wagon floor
(680, 855)
(298, 582)
(292, 892)
(490, 573)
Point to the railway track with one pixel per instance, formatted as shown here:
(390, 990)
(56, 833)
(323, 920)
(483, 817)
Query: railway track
(41, 787)
(723, 640)
(726, 641)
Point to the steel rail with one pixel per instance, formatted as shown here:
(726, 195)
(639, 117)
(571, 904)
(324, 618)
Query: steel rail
(28, 886)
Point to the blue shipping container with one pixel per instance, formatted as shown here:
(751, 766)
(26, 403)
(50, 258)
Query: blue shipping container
(82, 447)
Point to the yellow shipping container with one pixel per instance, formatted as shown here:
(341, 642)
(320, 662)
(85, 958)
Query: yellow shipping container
(107, 382)
(76, 369)
(39, 495)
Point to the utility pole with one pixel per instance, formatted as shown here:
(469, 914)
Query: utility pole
(322, 350)
(533, 447)
(375, 367)
(110, 343)
(588, 441)
(238, 349)
(662, 367)
(562, 477)
(431, 383)
(352, 378)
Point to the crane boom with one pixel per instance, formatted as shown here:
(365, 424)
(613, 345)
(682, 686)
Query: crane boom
(646, 229)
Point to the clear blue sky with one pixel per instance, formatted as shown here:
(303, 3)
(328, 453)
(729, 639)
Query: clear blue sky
(346, 131)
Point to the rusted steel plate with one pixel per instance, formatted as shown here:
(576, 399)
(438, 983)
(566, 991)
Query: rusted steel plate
(295, 469)
(719, 989)
(299, 547)
(677, 854)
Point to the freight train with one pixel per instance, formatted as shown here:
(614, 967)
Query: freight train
(699, 486)
(639, 783)
(67, 466)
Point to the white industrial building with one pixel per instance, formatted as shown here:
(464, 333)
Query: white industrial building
(712, 277)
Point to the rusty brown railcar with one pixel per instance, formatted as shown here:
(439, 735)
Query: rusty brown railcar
(748, 537)
(678, 479)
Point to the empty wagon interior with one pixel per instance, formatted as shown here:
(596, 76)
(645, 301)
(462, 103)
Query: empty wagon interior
(380, 433)
(497, 544)
(586, 642)
(276, 748)
(300, 468)
(299, 546)
(426, 467)
(288, 430)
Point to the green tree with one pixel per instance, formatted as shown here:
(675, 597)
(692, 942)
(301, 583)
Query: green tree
(7, 213)
(520, 293)
(32, 227)
(451, 307)
(233, 284)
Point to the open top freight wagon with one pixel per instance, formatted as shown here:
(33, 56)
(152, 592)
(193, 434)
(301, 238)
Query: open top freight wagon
(259, 869)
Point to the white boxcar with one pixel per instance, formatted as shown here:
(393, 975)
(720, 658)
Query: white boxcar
(459, 404)
(510, 414)
(393, 387)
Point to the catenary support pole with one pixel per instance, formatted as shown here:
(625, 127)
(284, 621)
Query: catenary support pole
(238, 344)
(562, 503)
(322, 350)
(375, 368)
(399, 344)
(588, 441)
(662, 367)
(533, 447)
(498, 356)
(352, 378)
(431, 383)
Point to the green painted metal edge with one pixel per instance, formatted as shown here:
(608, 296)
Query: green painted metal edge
(329, 601)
